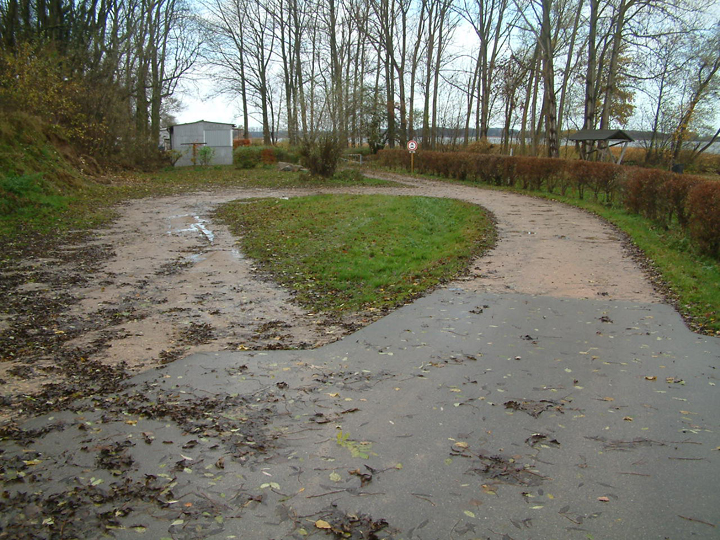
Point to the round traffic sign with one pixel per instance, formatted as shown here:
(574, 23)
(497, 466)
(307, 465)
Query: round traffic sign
(412, 146)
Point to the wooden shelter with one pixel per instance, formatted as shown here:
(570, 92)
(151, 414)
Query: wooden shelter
(601, 140)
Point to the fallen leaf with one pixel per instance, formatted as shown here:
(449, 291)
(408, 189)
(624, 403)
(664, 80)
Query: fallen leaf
(628, 418)
(461, 444)
(650, 378)
(603, 499)
(322, 524)
(468, 513)
(335, 477)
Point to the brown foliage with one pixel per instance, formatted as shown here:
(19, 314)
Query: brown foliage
(643, 189)
(703, 204)
(675, 192)
(267, 156)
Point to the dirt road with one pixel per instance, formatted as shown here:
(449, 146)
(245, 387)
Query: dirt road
(165, 281)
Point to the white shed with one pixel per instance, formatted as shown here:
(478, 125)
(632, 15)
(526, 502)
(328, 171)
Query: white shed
(189, 138)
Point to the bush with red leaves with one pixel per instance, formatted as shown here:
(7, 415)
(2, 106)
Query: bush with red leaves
(703, 205)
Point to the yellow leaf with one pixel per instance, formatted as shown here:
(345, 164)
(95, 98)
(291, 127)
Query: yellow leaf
(650, 378)
(322, 524)
(468, 513)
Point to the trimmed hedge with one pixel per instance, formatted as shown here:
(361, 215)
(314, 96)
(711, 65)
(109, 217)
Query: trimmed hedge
(663, 197)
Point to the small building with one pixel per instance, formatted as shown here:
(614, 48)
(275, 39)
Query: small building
(189, 138)
(608, 138)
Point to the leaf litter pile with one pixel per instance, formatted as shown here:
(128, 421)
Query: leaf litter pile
(96, 477)
(68, 471)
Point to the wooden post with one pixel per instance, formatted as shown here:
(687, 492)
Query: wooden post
(412, 146)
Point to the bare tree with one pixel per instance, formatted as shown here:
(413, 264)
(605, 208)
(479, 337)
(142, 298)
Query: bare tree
(492, 22)
(702, 66)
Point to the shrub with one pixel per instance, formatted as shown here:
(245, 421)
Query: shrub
(321, 157)
(246, 157)
(267, 156)
(524, 169)
(703, 205)
(173, 156)
(509, 170)
(675, 192)
(580, 172)
(289, 154)
(643, 192)
(396, 158)
(205, 155)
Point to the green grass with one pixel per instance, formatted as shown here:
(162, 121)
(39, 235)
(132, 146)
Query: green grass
(354, 252)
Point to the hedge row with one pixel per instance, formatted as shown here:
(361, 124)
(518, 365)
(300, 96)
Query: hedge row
(691, 201)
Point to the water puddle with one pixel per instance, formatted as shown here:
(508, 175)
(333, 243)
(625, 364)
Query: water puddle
(196, 225)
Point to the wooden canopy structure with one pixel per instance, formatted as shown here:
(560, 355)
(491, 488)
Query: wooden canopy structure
(604, 138)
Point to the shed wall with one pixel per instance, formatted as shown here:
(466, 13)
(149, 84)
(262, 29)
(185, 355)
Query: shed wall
(215, 135)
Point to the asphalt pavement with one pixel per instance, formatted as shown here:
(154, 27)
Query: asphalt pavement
(460, 416)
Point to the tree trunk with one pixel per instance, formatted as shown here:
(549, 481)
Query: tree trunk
(549, 84)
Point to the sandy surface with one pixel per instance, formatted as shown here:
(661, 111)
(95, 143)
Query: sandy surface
(165, 281)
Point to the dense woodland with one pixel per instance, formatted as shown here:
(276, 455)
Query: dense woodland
(106, 72)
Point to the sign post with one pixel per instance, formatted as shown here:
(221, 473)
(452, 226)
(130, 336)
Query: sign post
(412, 147)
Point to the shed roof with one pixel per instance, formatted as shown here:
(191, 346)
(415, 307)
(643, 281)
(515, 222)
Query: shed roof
(600, 135)
(203, 122)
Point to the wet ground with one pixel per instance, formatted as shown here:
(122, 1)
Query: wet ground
(547, 395)
(464, 415)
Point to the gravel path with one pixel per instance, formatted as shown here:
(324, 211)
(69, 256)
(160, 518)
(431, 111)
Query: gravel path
(165, 281)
